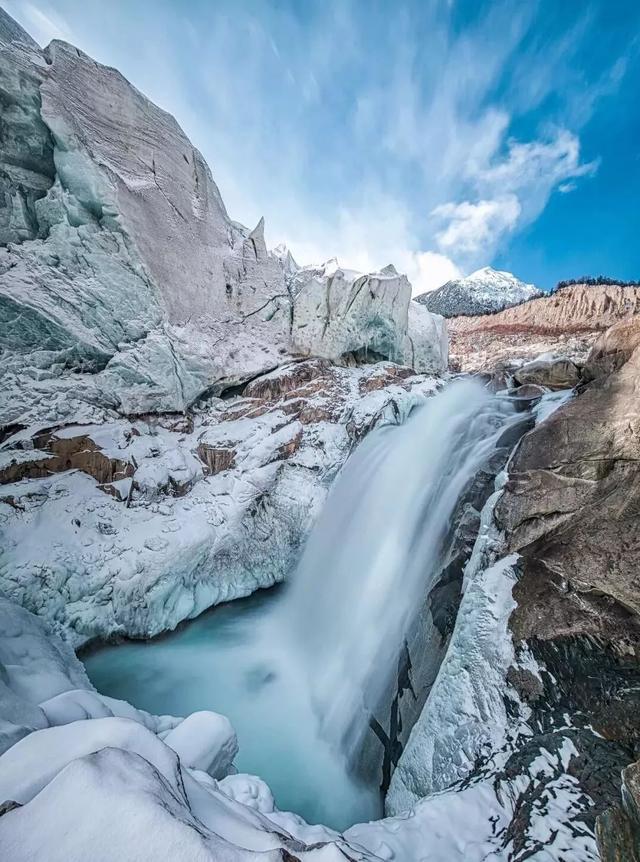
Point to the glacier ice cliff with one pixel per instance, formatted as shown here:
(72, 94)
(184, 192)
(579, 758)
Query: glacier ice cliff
(124, 283)
(130, 298)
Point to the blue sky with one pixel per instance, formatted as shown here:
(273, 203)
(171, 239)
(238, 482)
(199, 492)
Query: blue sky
(440, 136)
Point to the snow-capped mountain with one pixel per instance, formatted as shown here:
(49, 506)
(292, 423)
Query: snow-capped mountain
(484, 291)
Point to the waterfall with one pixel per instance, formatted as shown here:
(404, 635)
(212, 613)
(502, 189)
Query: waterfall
(377, 547)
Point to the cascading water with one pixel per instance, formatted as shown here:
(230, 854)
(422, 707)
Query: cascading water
(300, 673)
(376, 548)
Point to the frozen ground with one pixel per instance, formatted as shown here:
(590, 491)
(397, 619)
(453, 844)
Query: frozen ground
(129, 527)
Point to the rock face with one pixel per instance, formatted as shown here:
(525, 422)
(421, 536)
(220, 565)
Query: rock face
(124, 284)
(567, 322)
(612, 349)
(570, 507)
(485, 291)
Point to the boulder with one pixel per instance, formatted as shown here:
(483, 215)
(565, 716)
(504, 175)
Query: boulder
(612, 349)
(570, 508)
(556, 372)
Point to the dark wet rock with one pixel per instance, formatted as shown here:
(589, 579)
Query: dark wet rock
(615, 836)
(9, 804)
(528, 686)
(528, 391)
(618, 829)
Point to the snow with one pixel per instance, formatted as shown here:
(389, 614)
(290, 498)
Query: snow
(550, 402)
(140, 555)
(205, 741)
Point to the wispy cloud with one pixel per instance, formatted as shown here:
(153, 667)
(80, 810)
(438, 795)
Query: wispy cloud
(415, 137)
(41, 21)
(512, 190)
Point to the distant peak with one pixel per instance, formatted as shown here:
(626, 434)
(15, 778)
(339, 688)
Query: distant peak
(490, 272)
(482, 292)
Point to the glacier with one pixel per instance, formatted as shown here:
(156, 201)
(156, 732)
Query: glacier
(124, 283)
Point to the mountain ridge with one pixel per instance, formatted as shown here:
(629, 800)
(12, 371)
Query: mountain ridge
(484, 291)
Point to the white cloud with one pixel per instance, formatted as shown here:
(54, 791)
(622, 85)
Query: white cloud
(537, 166)
(474, 228)
(512, 190)
(431, 270)
(42, 25)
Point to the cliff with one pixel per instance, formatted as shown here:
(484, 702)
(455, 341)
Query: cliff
(567, 321)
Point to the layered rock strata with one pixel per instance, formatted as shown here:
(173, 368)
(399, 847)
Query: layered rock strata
(566, 322)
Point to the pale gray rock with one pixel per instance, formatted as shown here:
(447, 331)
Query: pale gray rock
(552, 372)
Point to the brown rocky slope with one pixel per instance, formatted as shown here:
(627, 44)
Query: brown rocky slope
(567, 321)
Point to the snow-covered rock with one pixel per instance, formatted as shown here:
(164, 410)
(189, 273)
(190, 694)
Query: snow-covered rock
(205, 741)
(483, 292)
(465, 712)
(129, 527)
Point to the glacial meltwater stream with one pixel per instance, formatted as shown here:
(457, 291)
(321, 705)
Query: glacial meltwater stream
(300, 669)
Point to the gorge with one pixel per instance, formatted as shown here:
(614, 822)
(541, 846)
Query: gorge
(392, 597)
